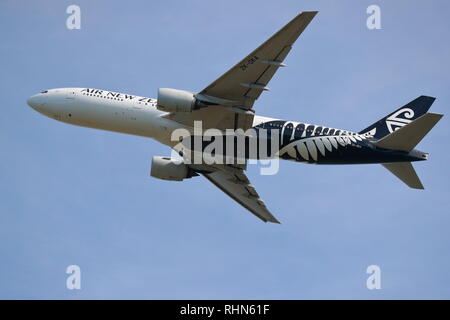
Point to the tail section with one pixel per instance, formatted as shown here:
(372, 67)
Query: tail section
(405, 172)
(400, 117)
(408, 136)
(405, 139)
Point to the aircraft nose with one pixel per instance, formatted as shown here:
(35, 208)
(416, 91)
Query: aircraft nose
(36, 101)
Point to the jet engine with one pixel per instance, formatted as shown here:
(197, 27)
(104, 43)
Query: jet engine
(167, 168)
(173, 100)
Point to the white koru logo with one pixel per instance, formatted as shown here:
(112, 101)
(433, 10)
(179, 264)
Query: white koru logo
(399, 119)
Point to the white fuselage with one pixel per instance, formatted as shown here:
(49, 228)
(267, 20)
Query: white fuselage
(131, 114)
(108, 110)
(105, 110)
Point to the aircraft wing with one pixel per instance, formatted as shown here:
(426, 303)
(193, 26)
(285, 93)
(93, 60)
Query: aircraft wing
(244, 82)
(235, 184)
(233, 94)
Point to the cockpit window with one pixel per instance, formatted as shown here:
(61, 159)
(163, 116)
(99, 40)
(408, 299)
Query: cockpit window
(45, 91)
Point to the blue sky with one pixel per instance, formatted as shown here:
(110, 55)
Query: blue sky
(71, 195)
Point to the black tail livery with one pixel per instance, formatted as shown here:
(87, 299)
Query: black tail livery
(400, 117)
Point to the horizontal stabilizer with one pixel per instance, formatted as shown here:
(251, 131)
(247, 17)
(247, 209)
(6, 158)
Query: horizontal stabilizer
(405, 172)
(408, 136)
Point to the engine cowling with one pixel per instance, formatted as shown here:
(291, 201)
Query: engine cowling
(167, 168)
(174, 100)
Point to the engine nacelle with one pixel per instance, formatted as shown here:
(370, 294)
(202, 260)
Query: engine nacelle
(167, 168)
(173, 100)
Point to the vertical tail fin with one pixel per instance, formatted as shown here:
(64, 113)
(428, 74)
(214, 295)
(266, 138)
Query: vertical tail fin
(405, 172)
(400, 117)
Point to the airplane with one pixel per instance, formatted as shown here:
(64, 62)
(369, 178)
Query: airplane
(227, 104)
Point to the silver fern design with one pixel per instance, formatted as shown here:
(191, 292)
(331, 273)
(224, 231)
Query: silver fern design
(309, 147)
(396, 121)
